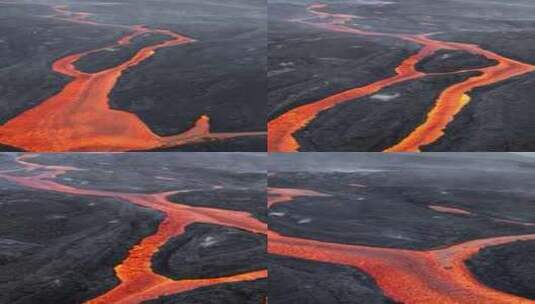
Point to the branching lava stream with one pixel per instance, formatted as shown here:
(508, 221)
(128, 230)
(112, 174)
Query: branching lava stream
(79, 118)
(282, 129)
(437, 276)
(138, 282)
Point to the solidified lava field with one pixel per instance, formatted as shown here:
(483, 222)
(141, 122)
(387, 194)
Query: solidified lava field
(133, 228)
(401, 228)
(132, 75)
(400, 75)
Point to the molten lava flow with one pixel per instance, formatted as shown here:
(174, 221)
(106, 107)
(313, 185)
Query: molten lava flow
(138, 282)
(280, 195)
(435, 276)
(79, 117)
(408, 276)
(282, 129)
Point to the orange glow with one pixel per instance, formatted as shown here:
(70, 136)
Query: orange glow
(408, 276)
(434, 276)
(137, 280)
(449, 210)
(282, 129)
(79, 117)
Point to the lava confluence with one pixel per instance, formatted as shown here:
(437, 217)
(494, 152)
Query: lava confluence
(408, 276)
(435, 276)
(282, 129)
(79, 118)
(138, 282)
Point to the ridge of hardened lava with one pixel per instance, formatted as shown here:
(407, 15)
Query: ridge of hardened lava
(79, 117)
(282, 129)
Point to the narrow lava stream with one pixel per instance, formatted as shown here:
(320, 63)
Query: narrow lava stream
(138, 282)
(282, 129)
(79, 118)
(437, 276)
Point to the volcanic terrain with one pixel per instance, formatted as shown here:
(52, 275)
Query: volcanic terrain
(132, 228)
(401, 75)
(132, 75)
(401, 228)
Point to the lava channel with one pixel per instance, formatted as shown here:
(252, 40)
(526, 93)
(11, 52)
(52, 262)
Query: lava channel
(282, 129)
(79, 117)
(138, 282)
(437, 276)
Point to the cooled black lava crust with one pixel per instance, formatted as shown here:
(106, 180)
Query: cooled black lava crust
(509, 268)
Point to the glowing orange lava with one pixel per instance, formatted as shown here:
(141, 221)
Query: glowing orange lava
(138, 282)
(79, 117)
(434, 276)
(280, 195)
(437, 276)
(281, 130)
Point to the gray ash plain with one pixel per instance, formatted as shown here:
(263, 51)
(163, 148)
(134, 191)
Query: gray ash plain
(30, 42)
(58, 248)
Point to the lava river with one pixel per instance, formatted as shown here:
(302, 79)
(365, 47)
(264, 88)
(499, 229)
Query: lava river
(437, 276)
(79, 118)
(138, 282)
(282, 129)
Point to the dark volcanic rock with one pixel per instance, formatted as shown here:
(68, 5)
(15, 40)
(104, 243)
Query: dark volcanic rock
(499, 200)
(6, 148)
(207, 251)
(498, 118)
(114, 56)
(252, 200)
(135, 172)
(221, 75)
(376, 122)
(58, 248)
(307, 64)
(509, 268)
(303, 65)
(515, 44)
(445, 61)
(29, 44)
(223, 80)
(241, 144)
(301, 281)
(243, 293)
